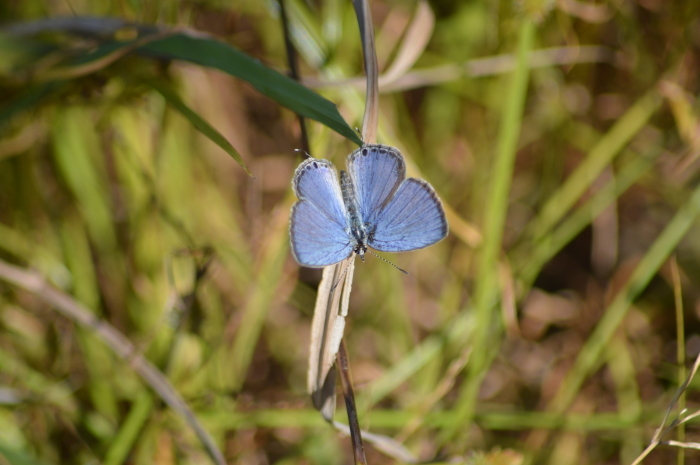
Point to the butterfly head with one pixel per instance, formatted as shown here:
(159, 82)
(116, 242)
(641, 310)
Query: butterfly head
(359, 239)
(360, 250)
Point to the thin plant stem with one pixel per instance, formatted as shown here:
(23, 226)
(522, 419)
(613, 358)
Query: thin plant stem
(293, 62)
(348, 393)
(662, 430)
(115, 340)
(680, 351)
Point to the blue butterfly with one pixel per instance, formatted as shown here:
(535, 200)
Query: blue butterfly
(374, 205)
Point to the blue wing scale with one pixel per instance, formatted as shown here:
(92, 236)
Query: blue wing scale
(318, 220)
(413, 219)
(376, 171)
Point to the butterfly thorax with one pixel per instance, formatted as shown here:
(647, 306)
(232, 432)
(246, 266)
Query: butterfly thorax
(356, 231)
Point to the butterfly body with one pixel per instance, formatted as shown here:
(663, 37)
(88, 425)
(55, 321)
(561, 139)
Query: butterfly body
(356, 227)
(372, 205)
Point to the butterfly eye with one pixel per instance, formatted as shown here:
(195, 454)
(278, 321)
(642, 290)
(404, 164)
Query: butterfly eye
(364, 152)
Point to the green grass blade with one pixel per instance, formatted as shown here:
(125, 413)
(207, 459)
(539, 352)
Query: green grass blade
(234, 361)
(413, 362)
(532, 259)
(396, 419)
(77, 155)
(680, 352)
(305, 28)
(128, 434)
(597, 159)
(198, 122)
(590, 356)
(486, 286)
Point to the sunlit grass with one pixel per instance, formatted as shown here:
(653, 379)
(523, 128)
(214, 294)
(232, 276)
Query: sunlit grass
(511, 333)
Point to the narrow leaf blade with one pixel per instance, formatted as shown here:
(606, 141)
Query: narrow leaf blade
(198, 122)
(212, 53)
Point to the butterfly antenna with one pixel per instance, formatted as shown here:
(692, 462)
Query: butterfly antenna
(401, 270)
(304, 151)
(359, 133)
(339, 279)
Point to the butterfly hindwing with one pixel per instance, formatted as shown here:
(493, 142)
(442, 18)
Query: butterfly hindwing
(413, 219)
(318, 221)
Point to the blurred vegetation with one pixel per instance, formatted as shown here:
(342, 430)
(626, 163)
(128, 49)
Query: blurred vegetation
(552, 325)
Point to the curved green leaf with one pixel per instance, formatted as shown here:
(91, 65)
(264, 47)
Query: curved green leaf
(198, 122)
(212, 53)
(199, 49)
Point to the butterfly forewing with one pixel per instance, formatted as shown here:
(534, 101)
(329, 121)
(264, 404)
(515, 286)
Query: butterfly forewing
(376, 171)
(413, 219)
(316, 180)
(318, 221)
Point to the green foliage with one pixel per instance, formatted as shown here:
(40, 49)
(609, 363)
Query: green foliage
(542, 329)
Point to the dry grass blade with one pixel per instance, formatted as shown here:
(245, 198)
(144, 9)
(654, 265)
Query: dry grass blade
(482, 67)
(684, 445)
(122, 347)
(416, 38)
(662, 430)
(370, 122)
(327, 332)
(382, 443)
(500, 64)
(586, 11)
(326, 337)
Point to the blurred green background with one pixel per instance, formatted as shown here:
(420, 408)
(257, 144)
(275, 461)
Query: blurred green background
(553, 325)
